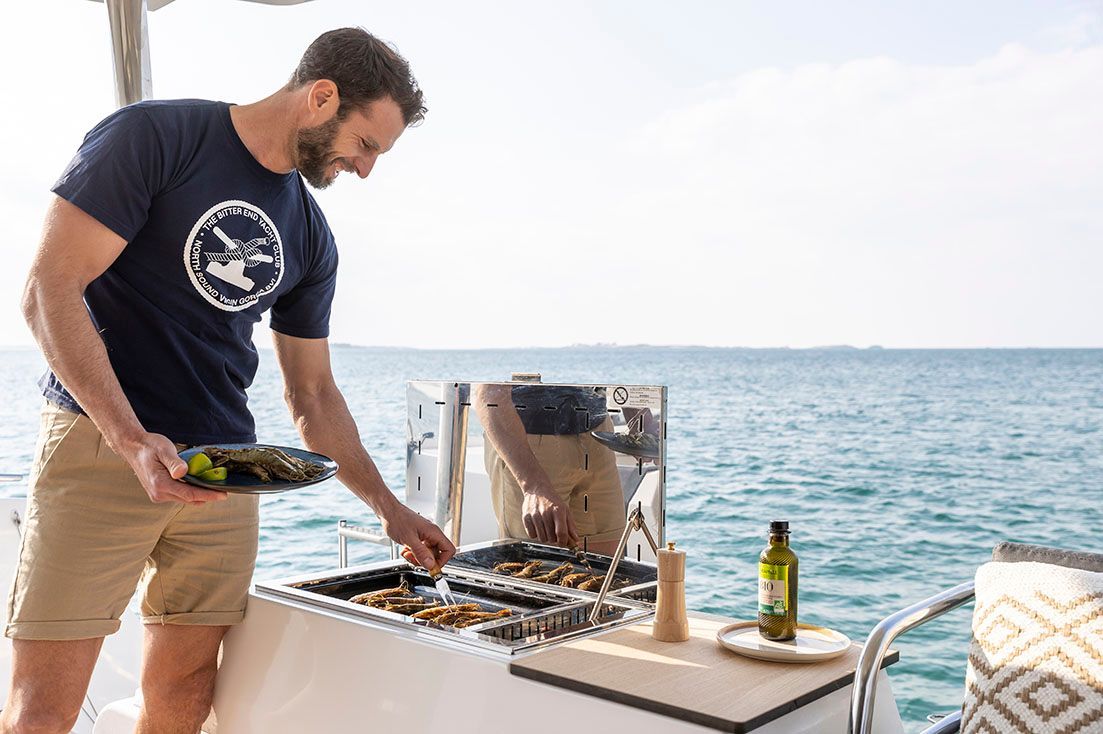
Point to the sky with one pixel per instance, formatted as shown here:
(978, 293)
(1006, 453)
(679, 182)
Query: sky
(906, 174)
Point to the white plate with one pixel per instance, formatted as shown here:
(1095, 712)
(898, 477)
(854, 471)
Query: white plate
(812, 643)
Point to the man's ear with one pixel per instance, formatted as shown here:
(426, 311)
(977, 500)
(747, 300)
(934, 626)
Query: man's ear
(322, 101)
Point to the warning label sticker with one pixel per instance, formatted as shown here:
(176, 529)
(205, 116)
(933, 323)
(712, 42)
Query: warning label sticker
(635, 396)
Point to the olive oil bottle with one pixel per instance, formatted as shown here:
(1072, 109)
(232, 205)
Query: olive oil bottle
(777, 586)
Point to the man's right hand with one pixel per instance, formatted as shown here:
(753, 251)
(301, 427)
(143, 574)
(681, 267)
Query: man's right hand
(159, 468)
(548, 519)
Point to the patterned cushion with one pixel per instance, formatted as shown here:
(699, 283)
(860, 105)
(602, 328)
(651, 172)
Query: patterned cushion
(1017, 552)
(1036, 660)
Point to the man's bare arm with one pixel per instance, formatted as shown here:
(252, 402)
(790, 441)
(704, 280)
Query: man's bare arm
(506, 431)
(545, 516)
(76, 249)
(324, 422)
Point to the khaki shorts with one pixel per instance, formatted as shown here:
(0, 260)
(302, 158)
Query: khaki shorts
(584, 475)
(91, 534)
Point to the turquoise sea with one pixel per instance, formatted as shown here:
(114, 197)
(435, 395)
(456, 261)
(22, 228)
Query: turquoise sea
(898, 470)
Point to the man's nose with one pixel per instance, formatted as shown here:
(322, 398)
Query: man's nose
(363, 167)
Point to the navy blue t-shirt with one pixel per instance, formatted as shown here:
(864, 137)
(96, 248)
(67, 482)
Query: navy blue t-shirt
(214, 239)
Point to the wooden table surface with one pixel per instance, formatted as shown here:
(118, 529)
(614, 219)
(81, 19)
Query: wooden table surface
(696, 680)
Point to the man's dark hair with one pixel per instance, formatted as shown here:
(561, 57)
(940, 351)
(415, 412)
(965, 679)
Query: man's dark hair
(364, 69)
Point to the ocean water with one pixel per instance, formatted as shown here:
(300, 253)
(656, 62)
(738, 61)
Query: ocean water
(897, 470)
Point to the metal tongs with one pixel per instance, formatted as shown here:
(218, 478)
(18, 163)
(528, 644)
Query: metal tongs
(580, 556)
(635, 522)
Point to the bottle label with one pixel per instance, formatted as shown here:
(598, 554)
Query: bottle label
(773, 589)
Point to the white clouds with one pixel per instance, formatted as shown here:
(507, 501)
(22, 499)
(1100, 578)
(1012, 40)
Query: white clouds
(552, 195)
(945, 200)
(866, 202)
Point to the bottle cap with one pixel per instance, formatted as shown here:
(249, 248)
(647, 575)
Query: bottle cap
(777, 527)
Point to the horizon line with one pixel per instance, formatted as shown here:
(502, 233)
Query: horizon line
(602, 345)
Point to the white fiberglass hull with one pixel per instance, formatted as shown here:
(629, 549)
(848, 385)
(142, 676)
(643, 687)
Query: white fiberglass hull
(293, 669)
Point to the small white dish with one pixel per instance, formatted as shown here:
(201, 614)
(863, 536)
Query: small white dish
(811, 645)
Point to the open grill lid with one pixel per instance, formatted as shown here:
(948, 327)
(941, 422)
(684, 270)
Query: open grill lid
(447, 479)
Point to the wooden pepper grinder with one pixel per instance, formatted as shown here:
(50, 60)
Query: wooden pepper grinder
(671, 624)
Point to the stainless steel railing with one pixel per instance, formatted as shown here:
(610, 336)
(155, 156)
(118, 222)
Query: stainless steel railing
(877, 645)
(346, 531)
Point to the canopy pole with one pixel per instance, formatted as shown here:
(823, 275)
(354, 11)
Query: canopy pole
(130, 50)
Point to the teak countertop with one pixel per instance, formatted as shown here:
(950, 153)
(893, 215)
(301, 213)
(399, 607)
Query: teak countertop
(696, 680)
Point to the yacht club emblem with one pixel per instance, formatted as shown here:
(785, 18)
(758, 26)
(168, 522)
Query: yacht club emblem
(234, 255)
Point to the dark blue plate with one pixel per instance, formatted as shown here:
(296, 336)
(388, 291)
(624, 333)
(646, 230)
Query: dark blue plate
(621, 443)
(249, 484)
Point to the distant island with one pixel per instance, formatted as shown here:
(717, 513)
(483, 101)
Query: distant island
(610, 345)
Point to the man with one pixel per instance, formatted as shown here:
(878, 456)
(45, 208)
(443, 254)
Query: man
(174, 228)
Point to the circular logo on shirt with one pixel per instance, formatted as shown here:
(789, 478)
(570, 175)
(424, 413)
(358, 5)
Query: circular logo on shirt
(234, 255)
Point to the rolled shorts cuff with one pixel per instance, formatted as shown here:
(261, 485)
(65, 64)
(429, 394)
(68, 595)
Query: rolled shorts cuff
(77, 629)
(210, 619)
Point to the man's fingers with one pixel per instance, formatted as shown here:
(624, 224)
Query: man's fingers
(446, 554)
(176, 466)
(441, 545)
(206, 495)
(547, 525)
(538, 526)
(172, 491)
(530, 525)
(562, 532)
(177, 469)
(425, 557)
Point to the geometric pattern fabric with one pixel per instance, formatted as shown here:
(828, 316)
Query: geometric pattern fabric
(1036, 658)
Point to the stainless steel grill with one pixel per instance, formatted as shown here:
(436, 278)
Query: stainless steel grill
(542, 613)
(446, 421)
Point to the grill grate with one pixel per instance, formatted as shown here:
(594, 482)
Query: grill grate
(484, 559)
(543, 616)
(556, 621)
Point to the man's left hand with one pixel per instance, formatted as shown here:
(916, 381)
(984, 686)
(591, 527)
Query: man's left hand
(426, 545)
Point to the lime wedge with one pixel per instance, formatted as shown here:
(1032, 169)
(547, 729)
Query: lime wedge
(199, 464)
(218, 474)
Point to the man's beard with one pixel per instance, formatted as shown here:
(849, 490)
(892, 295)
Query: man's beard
(314, 146)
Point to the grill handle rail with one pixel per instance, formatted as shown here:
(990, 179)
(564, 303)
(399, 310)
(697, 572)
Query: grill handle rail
(355, 532)
(877, 645)
(635, 522)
